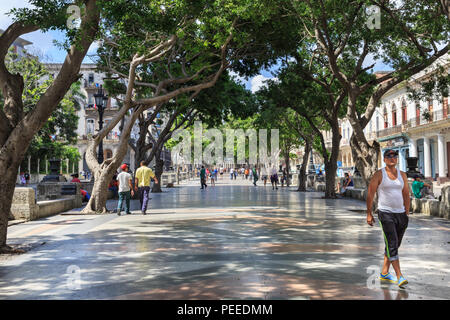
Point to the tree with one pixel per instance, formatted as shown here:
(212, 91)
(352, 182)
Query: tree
(18, 125)
(408, 41)
(164, 50)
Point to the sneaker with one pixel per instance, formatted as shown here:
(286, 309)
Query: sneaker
(402, 282)
(388, 277)
(144, 213)
(118, 213)
(128, 212)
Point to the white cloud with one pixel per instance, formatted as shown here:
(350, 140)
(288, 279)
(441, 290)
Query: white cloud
(237, 77)
(259, 81)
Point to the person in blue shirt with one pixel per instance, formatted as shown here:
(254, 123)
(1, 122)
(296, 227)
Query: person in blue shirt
(348, 183)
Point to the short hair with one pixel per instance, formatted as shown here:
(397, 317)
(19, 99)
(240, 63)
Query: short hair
(142, 163)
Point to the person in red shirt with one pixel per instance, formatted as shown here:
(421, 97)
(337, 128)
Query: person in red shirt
(75, 178)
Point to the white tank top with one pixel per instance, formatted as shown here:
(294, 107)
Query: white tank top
(390, 197)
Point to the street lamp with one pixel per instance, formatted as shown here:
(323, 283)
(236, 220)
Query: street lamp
(100, 102)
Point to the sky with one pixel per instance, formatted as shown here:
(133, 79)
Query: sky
(43, 46)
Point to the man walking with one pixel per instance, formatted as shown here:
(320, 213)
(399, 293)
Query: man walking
(125, 189)
(255, 176)
(392, 187)
(203, 177)
(142, 180)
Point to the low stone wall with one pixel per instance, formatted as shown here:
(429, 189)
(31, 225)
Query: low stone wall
(432, 207)
(24, 204)
(52, 207)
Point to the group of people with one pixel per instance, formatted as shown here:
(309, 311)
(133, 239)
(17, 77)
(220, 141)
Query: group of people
(24, 178)
(247, 173)
(122, 186)
(142, 184)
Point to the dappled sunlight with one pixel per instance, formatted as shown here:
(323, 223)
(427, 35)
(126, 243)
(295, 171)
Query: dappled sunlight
(291, 250)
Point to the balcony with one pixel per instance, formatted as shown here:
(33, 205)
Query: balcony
(390, 131)
(433, 116)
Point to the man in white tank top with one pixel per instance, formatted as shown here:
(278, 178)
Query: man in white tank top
(392, 187)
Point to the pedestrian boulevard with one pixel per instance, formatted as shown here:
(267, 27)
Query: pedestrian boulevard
(231, 241)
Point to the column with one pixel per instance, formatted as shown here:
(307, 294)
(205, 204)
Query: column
(413, 147)
(441, 155)
(426, 157)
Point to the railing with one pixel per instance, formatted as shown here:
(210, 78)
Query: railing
(437, 115)
(389, 131)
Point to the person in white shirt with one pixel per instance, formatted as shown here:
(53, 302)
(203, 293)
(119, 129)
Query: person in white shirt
(394, 201)
(264, 174)
(125, 189)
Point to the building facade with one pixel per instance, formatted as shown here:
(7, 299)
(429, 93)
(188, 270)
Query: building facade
(414, 128)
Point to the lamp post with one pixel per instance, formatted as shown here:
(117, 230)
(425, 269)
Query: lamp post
(100, 102)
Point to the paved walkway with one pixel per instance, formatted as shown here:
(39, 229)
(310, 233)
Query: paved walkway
(232, 241)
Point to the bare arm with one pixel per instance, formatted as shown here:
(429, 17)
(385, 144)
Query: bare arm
(406, 193)
(373, 186)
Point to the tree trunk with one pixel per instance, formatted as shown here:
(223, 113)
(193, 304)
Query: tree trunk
(104, 172)
(159, 168)
(7, 187)
(366, 157)
(18, 129)
(331, 165)
(302, 174)
(286, 160)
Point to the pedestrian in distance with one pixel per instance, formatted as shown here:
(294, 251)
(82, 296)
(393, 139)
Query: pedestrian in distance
(27, 178)
(142, 183)
(75, 178)
(124, 180)
(255, 176)
(23, 181)
(274, 178)
(392, 187)
(203, 177)
(213, 177)
(264, 175)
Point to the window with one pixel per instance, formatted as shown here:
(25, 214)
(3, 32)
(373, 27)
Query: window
(90, 126)
(394, 115)
(377, 124)
(385, 118)
(91, 99)
(430, 109)
(445, 106)
(417, 113)
(404, 112)
(91, 79)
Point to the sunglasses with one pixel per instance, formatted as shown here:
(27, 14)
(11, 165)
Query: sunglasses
(392, 156)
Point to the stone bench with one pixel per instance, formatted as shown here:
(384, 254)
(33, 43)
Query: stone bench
(432, 207)
(24, 204)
